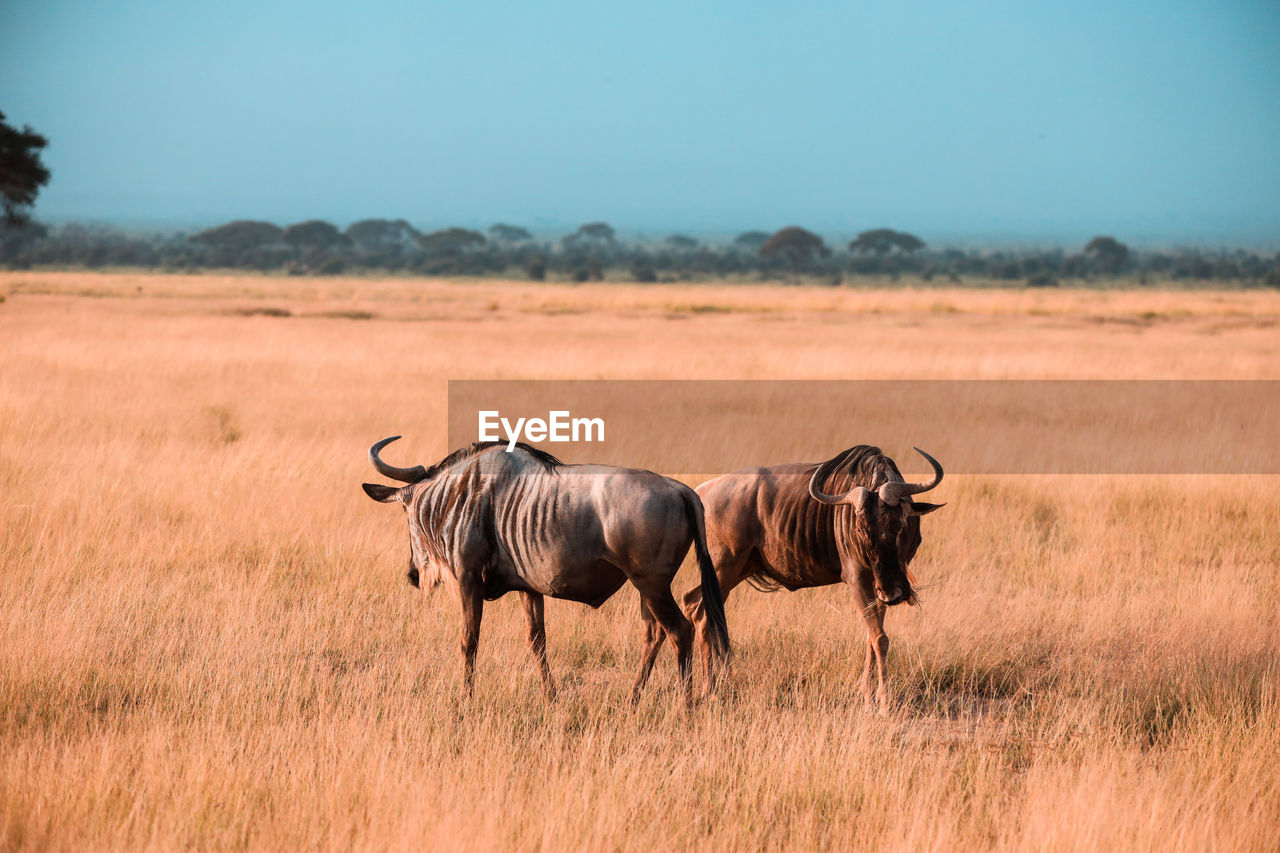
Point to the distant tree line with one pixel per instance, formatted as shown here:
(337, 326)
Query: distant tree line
(594, 252)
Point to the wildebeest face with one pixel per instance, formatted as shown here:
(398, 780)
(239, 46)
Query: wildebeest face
(892, 532)
(883, 526)
(886, 532)
(419, 560)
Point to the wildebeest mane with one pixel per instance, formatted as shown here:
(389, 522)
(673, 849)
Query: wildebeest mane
(867, 466)
(462, 454)
(864, 466)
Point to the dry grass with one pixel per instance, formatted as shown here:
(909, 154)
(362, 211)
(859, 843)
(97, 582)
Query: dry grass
(206, 638)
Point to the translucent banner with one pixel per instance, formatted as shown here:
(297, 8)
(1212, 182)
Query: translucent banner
(972, 427)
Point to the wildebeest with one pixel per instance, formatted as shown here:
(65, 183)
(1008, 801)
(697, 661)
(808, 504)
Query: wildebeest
(778, 527)
(487, 522)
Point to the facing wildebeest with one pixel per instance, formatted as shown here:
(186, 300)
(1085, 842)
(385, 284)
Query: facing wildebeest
(777, 527)
(487, 522)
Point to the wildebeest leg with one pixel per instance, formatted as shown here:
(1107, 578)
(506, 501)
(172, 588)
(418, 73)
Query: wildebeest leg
(472, 609)
(533, 612)
(731, 569)
(667, 612)
(877, 651)
(868, 679)
(653, 636)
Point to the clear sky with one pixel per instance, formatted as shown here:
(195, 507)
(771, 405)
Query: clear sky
(978, 121)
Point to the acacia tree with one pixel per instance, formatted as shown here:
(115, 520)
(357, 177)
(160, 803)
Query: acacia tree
(796, 246)
(751, 240)
(503, 233)
(22, 173)
(1110, 254)
(314, 234)
(588, 248)
(882, 241)
(373, 234)
(240, 235)
(451, 241)
(593, 235)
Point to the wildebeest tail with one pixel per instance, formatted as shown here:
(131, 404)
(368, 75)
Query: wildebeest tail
(712, 598)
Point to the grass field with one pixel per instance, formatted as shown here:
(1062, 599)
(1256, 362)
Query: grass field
(206, 638)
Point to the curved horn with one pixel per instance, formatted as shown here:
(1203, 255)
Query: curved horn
(892, 493)
(404, 475)
(821, 473)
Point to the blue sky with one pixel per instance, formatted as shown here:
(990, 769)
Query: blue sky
(983, 121)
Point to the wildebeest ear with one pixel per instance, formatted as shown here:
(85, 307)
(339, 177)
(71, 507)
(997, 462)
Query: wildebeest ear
(383, 494)
(922, 508)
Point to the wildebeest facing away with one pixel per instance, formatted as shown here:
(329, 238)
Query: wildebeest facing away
(487, 522)
(778, 527)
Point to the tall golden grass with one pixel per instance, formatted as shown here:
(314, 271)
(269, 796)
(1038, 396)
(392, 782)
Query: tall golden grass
(206, 638)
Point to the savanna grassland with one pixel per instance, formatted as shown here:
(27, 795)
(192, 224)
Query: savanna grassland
(207, 639)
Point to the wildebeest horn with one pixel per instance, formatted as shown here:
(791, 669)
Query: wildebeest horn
(404, 475)
(892, 493)
(823, 471)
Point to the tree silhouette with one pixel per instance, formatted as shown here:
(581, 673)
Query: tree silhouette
(882, 241)
(22, 173)
(1110, 254)
(314, 234)
(381, 233)
(591, 235)
(682, 243)
(752, 240)
(240, 235)
(451, 241)
(502, 233)
(795, 245)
